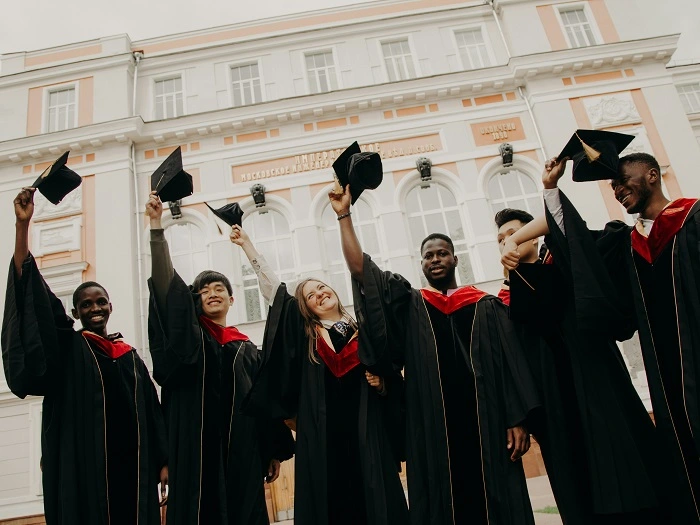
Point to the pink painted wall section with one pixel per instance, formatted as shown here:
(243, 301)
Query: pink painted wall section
(295, 23)
(34, 109)
(57, 56)
(604, 21)
(87, 98)
(552, 28)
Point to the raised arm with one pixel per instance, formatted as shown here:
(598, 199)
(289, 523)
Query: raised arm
(267, 279)
(161, 264)
(24, 209)
(553, 171)
(35, 327)
(354, 258)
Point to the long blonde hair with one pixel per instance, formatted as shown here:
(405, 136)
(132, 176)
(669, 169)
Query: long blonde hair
(311, 321)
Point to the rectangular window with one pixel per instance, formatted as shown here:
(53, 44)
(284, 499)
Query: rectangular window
(61, 109)
(398, 60)
(246, 84)
(577, 27)
(472, 48)
(690, 97)
(169, 98)
(321, 72)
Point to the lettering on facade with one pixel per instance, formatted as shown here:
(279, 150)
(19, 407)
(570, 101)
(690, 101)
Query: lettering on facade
(498, 131)
(324, 159)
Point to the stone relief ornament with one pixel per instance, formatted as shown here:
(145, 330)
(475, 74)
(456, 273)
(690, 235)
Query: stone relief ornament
(640, 144)
(611, 110)
(70, 205)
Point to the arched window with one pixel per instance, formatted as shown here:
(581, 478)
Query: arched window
(511, 188)
(366, 229)
(434, 209)
(269, 231)
(187, 249)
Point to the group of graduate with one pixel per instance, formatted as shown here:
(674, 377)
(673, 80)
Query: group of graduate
(448, 378)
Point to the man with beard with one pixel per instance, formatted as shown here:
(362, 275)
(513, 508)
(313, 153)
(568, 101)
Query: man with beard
(651, 273)
(468, 391)
(218, 454)
(103, 440)
(595, 434)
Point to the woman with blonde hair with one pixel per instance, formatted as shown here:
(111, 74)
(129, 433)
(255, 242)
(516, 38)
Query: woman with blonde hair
(320, 368)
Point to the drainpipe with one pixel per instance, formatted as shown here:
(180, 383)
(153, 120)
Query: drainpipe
(138, 55)
(521, 92)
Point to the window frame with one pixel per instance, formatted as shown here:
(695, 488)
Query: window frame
(523, 196)
(681, 96)
(336, 65)
(559, 9)
(48, 90)
(190, 221)
(163, 78)
(243, 63)
(243, 260)
(464, 247)
(487, 43)
(412, 48)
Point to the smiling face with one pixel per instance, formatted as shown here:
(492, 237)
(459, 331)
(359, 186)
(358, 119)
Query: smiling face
(634, 185)
(93, 309)
(216, 300)
(527, 250)
(439, 264)
(321, 300)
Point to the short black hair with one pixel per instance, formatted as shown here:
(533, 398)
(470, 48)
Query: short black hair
(641, 158)
(440, 236)
(511, 214)
(83, 286)
(210, 276)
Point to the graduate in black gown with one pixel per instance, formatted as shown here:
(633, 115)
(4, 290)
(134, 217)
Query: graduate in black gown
(646, 276)
(219, 456)
(468, 387)
(103, 439)
(348, 419)
(596, 437)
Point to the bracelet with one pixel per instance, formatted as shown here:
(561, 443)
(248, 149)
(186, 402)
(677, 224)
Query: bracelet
(344, 215)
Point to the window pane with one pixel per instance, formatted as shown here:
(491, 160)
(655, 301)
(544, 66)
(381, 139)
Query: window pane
(429, 198)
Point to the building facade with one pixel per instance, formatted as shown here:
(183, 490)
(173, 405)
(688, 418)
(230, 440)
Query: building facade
(273, 102)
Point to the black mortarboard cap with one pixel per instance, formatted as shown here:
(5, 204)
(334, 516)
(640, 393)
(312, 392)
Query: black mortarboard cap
(170, 181)
(362, 170)
(535, 293)
(57, 180)
(230, 213)
(595, 153)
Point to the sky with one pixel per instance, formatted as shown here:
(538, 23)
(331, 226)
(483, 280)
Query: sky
(27, 25)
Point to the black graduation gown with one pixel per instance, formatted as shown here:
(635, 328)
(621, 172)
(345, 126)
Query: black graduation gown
(346, 467)
(596, 437)
(615, 289)
(103, 438)
(218, 455)
(467, 382)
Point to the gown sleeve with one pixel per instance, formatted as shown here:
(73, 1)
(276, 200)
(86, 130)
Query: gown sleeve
(158, 438)
(595, 264)
(381, 304)
(34, 329)
(519, 391)
(174, 334)
(276, 386)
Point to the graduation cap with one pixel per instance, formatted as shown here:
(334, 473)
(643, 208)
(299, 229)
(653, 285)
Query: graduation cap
(57, 180)
(170, 181)
(230, 213)
(535, 293)
(595, 153)
(362, 170)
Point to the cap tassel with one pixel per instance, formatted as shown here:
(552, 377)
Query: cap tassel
(592, 153)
